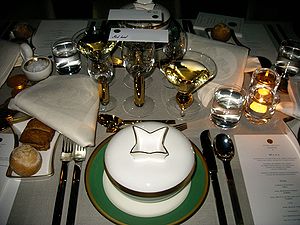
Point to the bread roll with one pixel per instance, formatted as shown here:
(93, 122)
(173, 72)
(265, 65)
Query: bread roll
(25, 160)
(36, 124)
(37, 134)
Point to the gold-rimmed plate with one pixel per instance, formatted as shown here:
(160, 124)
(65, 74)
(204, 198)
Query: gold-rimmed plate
(95, 190)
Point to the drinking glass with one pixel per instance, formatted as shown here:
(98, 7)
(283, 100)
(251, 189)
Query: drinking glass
(102, 71)
(139, 58)
(93, 43)
(66, 56)
(227, 106)
(178, 41)
(175, 48)
(188, 75)
(287, 62)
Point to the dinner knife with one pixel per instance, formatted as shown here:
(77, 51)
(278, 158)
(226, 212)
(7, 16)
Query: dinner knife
(209, 156)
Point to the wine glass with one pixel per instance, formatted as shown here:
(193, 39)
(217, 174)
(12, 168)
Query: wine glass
(138, 58)
(102, 71)
(176, 47)
(178, 41)
(93, 43)
(188, 75)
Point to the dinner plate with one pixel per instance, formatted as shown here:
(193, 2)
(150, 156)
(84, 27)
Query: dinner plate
(95, 190)
(47, 168)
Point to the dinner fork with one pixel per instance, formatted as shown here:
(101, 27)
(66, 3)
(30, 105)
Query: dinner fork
(79, 156)
(66, 157)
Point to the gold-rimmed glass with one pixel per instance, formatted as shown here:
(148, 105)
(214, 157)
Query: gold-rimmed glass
(139, 59)
(93, 43)
(187, 75)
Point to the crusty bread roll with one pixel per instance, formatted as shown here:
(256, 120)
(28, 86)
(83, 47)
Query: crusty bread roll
(37, 134)
(36, 124)
(25, 160)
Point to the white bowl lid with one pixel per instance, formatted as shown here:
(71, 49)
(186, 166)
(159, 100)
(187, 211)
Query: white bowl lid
(149, 158)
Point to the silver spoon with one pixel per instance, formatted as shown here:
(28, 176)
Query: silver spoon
(224, 150)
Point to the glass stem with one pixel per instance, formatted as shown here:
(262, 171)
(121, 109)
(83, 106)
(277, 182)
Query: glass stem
(182, 112)
(139, 90)
(103, 89)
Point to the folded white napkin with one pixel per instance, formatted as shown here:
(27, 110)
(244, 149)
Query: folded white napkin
(292, 107)
(68, 104)
(230, 59)
(9, 53)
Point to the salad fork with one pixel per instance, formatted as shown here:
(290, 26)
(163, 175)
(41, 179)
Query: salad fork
(79, 156)
(66, 157)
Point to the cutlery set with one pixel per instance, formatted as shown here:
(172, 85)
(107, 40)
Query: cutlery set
(222, 146)
(70, 151)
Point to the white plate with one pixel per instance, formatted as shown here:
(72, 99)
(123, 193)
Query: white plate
(142, 209)
(47, 168)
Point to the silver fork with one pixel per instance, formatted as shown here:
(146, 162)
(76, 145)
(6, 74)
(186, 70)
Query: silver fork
(79, 156)
(66, 157)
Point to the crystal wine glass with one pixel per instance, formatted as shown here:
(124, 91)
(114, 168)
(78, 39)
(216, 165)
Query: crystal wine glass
(102, 71)
(93, 43)
(188, 75)
(176, 47)
(138, 58)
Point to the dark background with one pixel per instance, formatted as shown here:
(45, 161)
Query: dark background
(188, 9)
(266, 10)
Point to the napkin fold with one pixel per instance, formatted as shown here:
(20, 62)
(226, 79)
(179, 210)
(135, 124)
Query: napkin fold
(292, 107)
(9, 53)
(68, 104)
(230, 60)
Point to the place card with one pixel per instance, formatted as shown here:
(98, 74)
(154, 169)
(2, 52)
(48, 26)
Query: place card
(271, 169)
(138, 35)
(135, 15)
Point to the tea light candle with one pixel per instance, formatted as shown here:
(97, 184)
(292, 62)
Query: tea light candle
(265, 76)
(262, 95)
(257, 107)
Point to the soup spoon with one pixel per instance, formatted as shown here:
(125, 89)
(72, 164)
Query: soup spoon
(224, 150)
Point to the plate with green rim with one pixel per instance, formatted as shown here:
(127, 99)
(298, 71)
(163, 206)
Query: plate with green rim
(95, 190)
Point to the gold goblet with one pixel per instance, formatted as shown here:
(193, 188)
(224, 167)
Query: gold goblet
(139, 59)
(188, 75)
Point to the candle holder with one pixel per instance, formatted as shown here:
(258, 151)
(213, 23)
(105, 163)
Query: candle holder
(265, 76)
(261, 102)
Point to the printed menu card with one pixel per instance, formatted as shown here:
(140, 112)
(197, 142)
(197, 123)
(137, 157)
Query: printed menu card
(271, 169)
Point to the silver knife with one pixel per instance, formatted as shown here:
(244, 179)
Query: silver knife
(209, 156)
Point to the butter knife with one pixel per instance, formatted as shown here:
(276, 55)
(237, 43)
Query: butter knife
(209, 156)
